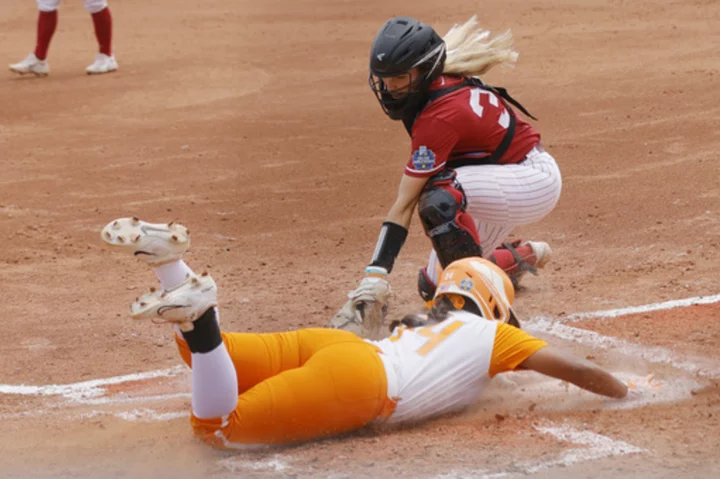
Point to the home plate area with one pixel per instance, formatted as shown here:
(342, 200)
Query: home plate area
(525, 424)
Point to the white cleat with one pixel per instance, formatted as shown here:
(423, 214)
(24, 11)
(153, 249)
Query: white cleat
(102, 64)
(155, 243)
(181, 305)
(542, 251)
(31, 64)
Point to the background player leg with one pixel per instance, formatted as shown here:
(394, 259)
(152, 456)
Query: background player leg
(102, 22)
(47, 21)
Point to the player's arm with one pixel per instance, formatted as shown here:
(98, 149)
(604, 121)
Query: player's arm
(408, 195)
(584, 374)
(432, 142)
(515, 349)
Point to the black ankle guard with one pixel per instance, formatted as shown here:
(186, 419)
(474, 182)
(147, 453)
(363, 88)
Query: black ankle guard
(206, 333)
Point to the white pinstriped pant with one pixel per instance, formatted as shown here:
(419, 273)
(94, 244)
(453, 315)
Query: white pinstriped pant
(503, 197)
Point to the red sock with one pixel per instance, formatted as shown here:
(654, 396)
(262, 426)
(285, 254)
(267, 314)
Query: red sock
(102, 21)
(47, 22)
(507, 262)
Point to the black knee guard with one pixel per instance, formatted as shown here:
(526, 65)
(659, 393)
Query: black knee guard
(449, 227)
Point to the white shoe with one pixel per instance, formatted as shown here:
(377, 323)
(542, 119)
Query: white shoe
(542, 251)
(181, 305)
(102, 64)
(31, 64)
(156, 243)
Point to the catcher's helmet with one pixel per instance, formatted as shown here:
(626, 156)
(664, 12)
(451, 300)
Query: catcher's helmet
(402, 44)
(483, 283)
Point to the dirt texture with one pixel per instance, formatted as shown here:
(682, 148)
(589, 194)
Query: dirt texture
(252, 123)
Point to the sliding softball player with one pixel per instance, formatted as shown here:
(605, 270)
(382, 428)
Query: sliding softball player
(294, 386)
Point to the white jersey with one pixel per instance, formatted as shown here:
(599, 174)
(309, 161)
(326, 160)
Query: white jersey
(438, 369)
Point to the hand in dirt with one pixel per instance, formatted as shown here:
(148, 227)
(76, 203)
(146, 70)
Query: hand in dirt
(642, 386)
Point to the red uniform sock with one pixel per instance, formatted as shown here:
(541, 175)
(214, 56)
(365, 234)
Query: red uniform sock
(102, 21)
(505, 259)
(46, 25)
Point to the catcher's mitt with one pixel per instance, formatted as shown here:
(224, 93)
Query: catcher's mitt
(365, 310)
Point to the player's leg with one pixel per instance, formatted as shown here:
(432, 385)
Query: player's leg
(499, 198)
(102, 22)
(47, 21)
(259, 356)
(502, 197)
(309, 383)
(341, 387)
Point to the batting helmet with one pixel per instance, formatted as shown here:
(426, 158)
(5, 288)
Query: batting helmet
(402, 44)
(480, 281)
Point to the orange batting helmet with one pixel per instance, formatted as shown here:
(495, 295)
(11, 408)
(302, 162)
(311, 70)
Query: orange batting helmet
(480, 281)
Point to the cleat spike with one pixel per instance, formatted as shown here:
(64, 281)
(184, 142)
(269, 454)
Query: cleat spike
(120, 239)
(116, 225)
(175, 238)
(187, 231)
(143, 304)
(152, 290)
(205, 273)
(135, 220)
(171, 223)
(108, 235)
(136, 239)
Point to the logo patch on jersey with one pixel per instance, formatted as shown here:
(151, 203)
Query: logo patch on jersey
(423, 159)
(466, 284)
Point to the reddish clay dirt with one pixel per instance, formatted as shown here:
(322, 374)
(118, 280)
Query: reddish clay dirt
(252, 123)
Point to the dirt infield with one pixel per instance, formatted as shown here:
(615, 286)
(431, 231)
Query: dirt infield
(252, 123)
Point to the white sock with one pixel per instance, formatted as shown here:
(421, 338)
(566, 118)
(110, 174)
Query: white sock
(172, 274)
(214, 384)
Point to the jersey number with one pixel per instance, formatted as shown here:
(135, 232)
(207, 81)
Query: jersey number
(434, 339)
(476, 94)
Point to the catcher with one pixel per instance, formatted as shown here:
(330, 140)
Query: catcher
(283, 388)
(476, 171)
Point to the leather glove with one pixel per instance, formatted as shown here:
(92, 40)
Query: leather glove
(365, 310)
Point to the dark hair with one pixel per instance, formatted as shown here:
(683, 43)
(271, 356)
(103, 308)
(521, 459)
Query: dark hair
(439, 313)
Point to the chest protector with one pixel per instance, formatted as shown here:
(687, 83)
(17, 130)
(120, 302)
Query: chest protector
(504, 96)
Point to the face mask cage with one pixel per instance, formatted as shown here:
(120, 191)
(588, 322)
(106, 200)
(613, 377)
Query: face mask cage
(395, 106)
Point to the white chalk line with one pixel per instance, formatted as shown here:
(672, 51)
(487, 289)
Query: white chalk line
(614, 313)
(85, 389)
(126, 400)
(699, 366)
(596, 447)
(140, 415)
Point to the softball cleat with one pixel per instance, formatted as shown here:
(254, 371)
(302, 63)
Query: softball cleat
(155, 243)
(182, 304)
(542, 252)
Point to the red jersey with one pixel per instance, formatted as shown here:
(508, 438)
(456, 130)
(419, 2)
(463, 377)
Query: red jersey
(466, 123)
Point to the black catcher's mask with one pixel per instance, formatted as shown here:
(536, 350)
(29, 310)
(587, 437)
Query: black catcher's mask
(402, 44)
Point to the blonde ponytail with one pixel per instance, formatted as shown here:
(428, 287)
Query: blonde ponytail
(471, 51)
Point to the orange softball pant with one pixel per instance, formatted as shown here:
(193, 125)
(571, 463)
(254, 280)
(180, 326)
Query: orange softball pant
(297, 386)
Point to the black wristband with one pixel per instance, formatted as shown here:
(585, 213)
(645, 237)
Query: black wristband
(391, 240)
